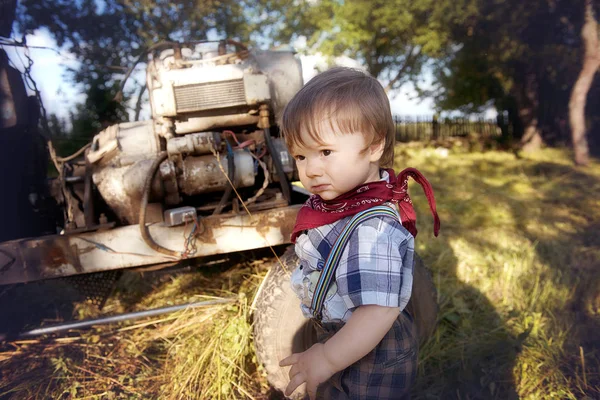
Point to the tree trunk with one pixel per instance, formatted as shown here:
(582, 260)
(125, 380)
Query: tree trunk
(591, 63)
(532, 139)
(528, 104)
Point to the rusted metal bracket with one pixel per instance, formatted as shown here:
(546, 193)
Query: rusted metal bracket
(46, 257)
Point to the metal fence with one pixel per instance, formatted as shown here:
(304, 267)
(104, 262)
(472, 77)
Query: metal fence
(425, 128)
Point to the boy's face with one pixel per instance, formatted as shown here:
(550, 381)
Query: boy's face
(337, 165)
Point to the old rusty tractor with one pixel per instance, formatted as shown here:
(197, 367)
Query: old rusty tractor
(208, 174)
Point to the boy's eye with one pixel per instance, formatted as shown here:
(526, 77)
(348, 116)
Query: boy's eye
(299, 158)
(326, 152)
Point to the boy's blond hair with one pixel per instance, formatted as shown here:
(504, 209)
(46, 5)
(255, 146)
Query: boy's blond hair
(351, 101)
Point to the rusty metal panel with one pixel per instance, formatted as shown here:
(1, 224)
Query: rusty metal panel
(47, 257)
(54, 256)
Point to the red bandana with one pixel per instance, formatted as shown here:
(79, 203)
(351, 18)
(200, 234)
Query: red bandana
(317, 212)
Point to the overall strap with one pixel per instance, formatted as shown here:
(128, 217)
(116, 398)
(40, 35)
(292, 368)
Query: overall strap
(328, 271)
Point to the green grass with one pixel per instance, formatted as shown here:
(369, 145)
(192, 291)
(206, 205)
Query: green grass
(517, 267)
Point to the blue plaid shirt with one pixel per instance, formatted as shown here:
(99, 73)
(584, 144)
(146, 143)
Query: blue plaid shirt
(376, 267)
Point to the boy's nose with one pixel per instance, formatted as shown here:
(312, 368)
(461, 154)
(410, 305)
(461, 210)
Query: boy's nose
(313, 168)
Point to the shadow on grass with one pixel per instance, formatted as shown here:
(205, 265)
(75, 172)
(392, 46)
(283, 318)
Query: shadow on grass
(472, 354)
(497, 214)
(569, 204)
(28, 306)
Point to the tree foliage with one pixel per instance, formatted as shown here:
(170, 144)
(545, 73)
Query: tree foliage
(99, 110)
(108, 36)
(393, 39)
(522, 57)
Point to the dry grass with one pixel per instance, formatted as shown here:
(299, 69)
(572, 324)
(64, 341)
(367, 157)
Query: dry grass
(517, 267)
(201, 353)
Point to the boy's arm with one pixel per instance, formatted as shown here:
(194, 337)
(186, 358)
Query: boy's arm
(365, 328)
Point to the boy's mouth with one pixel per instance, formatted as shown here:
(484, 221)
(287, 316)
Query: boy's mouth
(319, 188)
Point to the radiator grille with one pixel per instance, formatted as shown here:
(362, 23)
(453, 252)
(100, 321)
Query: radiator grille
(206, 96)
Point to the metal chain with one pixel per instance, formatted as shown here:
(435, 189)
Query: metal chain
(190, 245)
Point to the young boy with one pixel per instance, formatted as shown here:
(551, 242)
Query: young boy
(340, 131)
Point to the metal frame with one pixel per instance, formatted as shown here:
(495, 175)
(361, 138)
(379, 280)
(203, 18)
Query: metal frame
(27, 260)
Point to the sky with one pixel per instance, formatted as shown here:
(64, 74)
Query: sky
(49, 72)
(59, 95)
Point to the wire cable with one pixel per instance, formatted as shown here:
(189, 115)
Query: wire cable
(144, 203)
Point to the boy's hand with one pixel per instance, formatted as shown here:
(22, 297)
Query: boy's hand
(367, 325)
(311, 366)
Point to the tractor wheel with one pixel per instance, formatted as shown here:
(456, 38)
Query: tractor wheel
(280, 329)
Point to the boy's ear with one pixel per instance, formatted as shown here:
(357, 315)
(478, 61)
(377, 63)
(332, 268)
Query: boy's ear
(376, 151)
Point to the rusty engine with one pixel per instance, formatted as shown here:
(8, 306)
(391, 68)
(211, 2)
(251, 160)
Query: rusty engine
(213, 110)
(211, 157)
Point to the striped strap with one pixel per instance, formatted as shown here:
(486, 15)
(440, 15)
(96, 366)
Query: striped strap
(328, 272)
